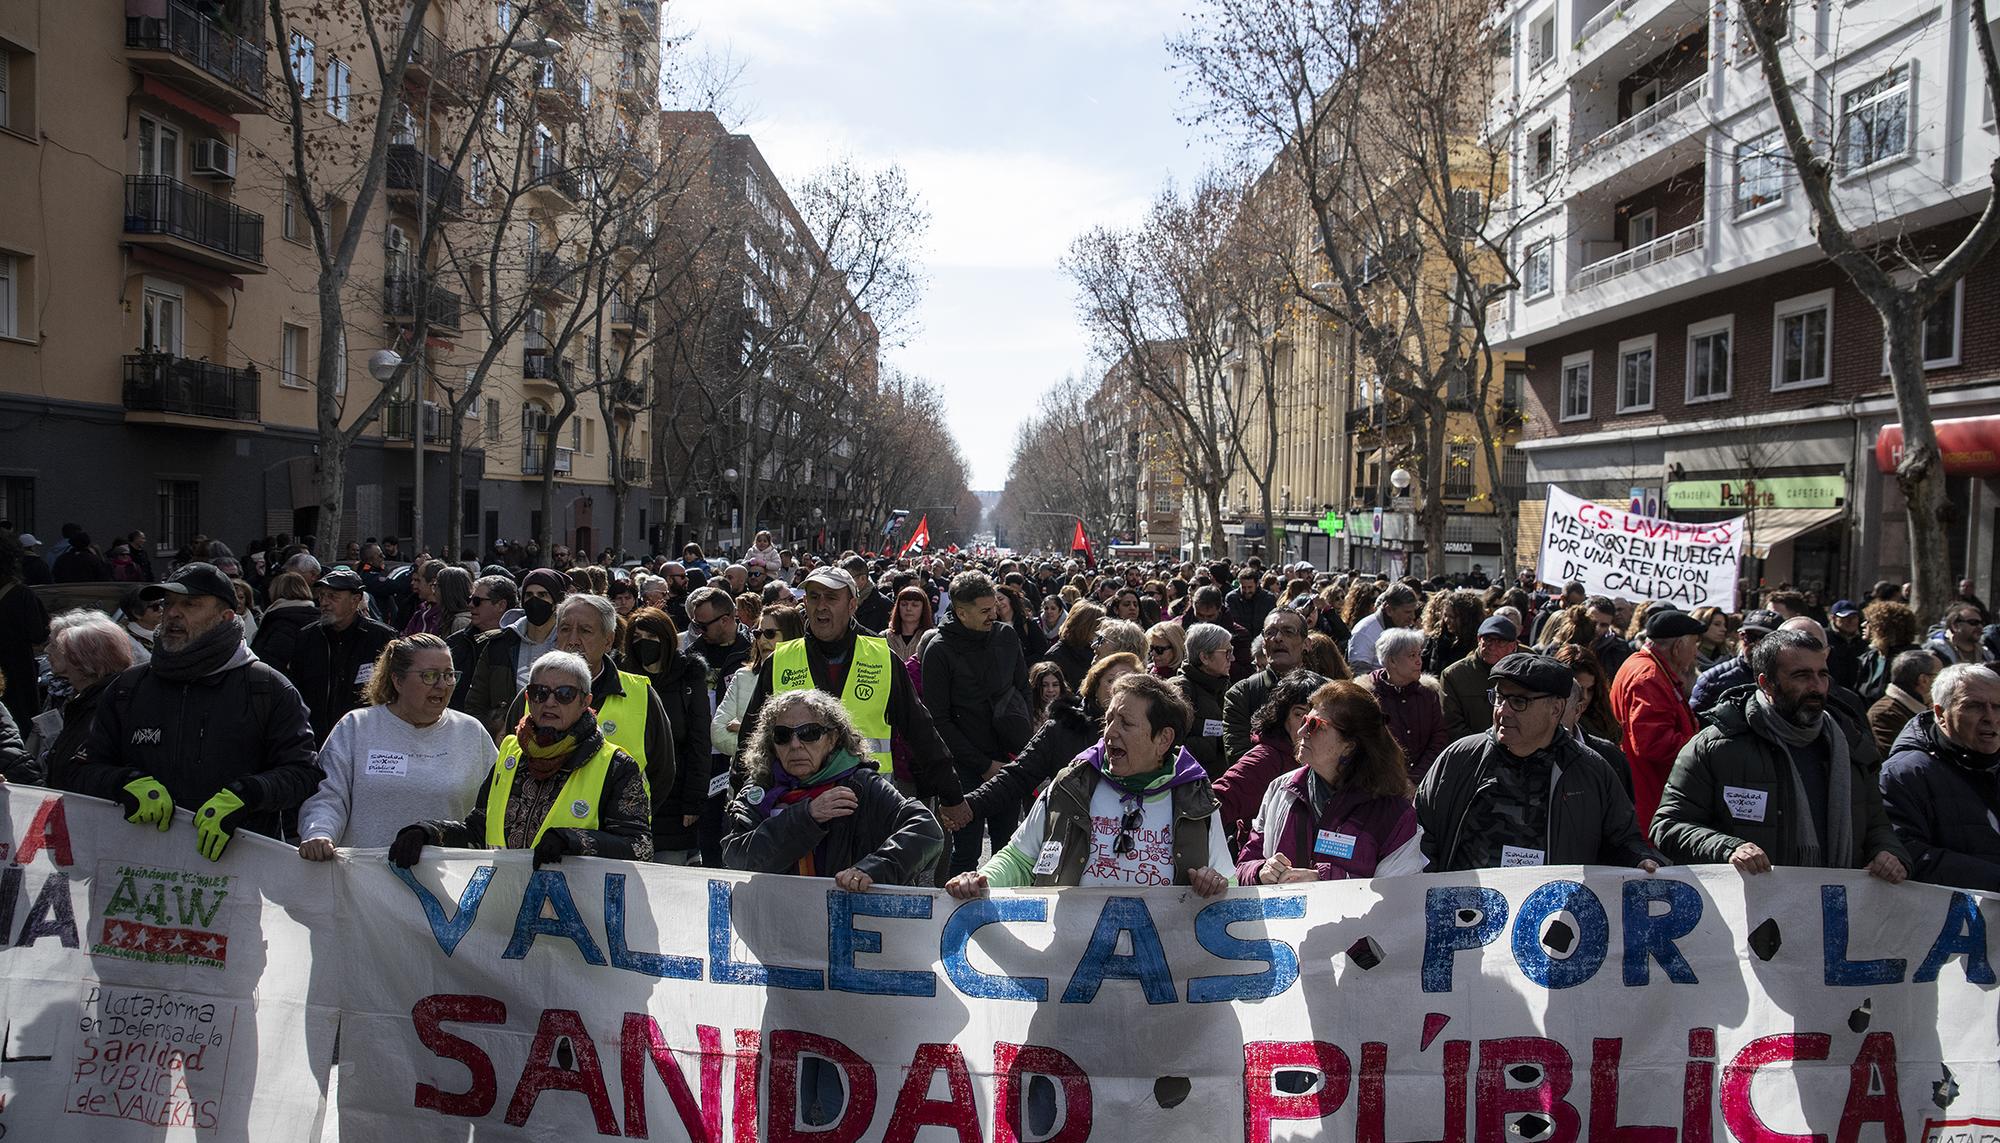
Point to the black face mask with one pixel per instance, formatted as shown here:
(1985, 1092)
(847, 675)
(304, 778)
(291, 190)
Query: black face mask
(539, 610)
(647, 653)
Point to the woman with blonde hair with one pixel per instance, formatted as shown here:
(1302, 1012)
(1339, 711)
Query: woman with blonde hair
(405, 754)
(1166, 649)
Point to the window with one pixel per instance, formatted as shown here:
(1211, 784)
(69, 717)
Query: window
(17, 502)
(180, 513)
(1941, 326)
(1542, 154)
(1576, 387)
(292, 219)
(492, 428)
(339, 81)
(1635, 375)
(503, 14)
(1538, 269)
(6, 119)
(1458, 471)
(1875, 122)
(1802, 343)
(10, 301)
(476, 183)
(499, 114)
(1542, 42)
(292, 369)
(159, 149)
(1760, 172)
(583, 91)
(303, 50)
(1709, 359)
(1641, 228)
(160, 319)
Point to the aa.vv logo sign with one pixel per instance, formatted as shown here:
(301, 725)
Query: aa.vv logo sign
(164, 916)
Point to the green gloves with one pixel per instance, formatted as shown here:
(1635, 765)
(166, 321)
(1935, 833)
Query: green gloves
(148, 803)
(215, 822)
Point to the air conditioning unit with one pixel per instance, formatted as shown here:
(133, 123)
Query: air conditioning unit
(215, 158)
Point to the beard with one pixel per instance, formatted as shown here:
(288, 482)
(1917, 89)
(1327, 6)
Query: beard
(1802, 710)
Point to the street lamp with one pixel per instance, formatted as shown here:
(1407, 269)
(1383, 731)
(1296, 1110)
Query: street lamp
(1400, 478)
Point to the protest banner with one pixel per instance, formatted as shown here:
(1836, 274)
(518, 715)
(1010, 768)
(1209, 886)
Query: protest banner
(480, 998)
(1628, 556)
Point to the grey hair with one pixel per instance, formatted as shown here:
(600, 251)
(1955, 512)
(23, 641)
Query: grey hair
(1203, 638)
(304, 564)
(567, 663)
(709, 595)
(1396, 641)
(1115, 635)
(1952, 679)
(607, 614)
(1910, 666)
(1256, 646)
(758, 755)
(500, 587)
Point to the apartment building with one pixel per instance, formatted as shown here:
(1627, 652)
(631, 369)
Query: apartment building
(1688, 348)
(1147, 488)
(1311, 390)
(768, 361)
(159, 330)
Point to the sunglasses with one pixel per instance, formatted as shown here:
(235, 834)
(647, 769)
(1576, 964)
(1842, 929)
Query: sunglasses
(479, 599)
(563, 694)
(156, 605)
(767, 633)
(1158, 651)
(432, 676)
(810, 733)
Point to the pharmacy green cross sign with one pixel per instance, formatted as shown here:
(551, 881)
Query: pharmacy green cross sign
(1333, 523)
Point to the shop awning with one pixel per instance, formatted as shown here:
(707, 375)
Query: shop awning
(1766, 528)
(1970, 446)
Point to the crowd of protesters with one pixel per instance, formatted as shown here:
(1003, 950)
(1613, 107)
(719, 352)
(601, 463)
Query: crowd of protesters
(974, 721)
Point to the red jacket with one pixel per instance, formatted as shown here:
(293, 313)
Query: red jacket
(1647, 700)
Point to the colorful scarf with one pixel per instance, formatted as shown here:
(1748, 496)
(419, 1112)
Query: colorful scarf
(1179, 772)
(547, 749)
(786, 790)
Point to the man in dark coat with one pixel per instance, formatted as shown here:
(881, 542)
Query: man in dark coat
(1941, 784)
(976, 688)
(335, 654)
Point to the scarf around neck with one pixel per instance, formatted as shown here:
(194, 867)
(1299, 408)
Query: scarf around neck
(786, 790)
(547, 749)
(1805, 832)
(1181, 770)
(206, 654)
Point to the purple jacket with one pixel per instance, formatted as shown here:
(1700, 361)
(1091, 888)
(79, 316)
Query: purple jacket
(1416, 718)
(1241, 789)
(1364, 829)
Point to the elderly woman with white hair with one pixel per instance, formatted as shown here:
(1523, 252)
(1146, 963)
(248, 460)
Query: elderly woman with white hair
(1411, 701)
(1203, 680)
(558, 787)
(813, 806)
(86, 650)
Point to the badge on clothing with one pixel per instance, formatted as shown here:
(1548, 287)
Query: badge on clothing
(1211, 728)
(1746, 805)
(387, 764)
(1051, 857)
(1520, 856)
(1334, 844)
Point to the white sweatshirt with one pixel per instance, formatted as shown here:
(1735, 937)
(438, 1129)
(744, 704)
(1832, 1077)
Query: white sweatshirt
(383, 774)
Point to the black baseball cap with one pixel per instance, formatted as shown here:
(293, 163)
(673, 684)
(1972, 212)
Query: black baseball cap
(192, 580)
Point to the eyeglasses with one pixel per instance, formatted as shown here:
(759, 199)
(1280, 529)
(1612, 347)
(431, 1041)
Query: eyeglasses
(1127, 842)
(810, 733)
(767, 633)
(564, 694)
(1515, 703)
(1158, 651)
(1312, 723)
(432, 676)
(1965, 622)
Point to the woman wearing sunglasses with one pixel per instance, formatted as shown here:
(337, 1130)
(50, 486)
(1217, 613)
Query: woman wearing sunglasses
(813, 806)
(1346, 811)
(1166, 648)
(406, 753)
(558, 787)
(1133, 810)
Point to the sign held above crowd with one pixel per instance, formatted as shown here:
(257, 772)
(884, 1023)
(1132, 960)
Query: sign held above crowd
(1625, 555)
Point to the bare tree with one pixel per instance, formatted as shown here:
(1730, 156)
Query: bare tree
(1901, 281)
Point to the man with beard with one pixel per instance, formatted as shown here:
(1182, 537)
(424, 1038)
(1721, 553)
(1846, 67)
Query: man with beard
(205, 725)
(1284, 646)
(1771, 780)
(335, 654)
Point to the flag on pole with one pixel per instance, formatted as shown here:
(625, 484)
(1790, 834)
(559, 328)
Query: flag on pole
(1080, 542)
(919, 539)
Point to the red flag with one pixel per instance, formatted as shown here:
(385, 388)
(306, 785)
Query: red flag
(919, 539)
(1079, 542)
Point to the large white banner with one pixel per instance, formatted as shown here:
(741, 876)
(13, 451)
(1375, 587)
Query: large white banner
(478, 998)
(1628, 556)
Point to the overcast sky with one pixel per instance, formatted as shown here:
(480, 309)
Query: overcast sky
(1021, 123)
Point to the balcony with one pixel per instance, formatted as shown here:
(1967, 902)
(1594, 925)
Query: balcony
(431, 66)
(552, 186)
(624, 318)
(442, 187)
(638, 83)
(1665, 248)
(641, 18)
(1625, 33)
(625, 391)
(397, 421)
(170, 215)
(1649, 131)
(195, 53)
(164, 389)
(540, 365)
(557, 94)
(405, 295)
(565, 15)
(549, 274)
(634, 469)
(531, 460)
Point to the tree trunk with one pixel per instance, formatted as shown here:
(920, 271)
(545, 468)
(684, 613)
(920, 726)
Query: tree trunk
(1273, 554)
(332, 441)
(1436, 470)
(545, 535)
(454, 479)
(1217, 542)
(1920, 472)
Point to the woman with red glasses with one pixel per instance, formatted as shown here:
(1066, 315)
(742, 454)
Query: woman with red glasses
(1346, 811)
(813, 806)
(558, 787)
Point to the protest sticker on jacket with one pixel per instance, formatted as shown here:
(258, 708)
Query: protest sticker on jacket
(1628, 556)
(150, 993)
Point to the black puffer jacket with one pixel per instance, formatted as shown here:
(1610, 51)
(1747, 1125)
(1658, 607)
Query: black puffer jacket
(1204, 692)
(682, 688)
(327, 666)
(889, 837)
(278, 629)
(1074, 725)
(1943, 801)
(971, 678)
